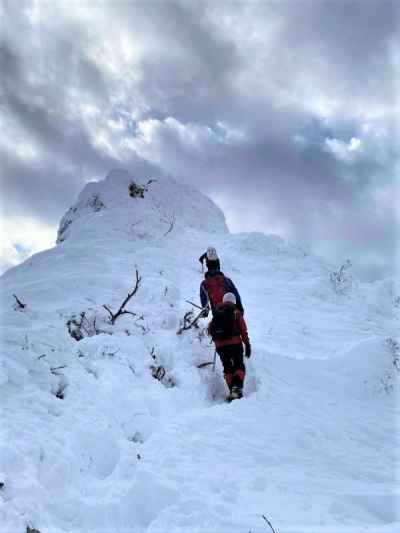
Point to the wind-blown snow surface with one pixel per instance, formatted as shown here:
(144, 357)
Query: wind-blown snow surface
(313, 446)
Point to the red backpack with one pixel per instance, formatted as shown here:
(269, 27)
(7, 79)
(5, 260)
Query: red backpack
(216, 288)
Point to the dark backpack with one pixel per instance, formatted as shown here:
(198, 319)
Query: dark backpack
(223, 323)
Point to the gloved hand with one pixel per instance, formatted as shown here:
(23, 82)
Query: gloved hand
(247, 351)
(205, 312)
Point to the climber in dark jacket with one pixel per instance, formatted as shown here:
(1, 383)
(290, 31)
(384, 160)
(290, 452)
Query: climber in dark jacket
(210, 256)
(215, 286)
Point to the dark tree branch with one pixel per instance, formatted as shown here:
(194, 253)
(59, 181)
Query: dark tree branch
(144, 329)
(153, 353)
(188, 322)
(109, 311)
(171, 223)
(269, 523)
(55, 369)
(121, 310)
(111, 354)
(19, 303)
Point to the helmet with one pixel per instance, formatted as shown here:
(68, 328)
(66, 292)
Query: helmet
(229, 297)
(211, 254)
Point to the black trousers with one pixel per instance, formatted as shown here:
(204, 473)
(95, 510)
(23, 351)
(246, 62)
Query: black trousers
(231, 357)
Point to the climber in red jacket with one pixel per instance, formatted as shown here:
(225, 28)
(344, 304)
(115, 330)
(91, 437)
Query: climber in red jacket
(229, 332)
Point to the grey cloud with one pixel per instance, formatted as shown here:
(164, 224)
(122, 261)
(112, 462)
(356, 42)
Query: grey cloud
(32, 193)
(268, 184)
(255, 67)
(9, 64)
(46, 190)
(187, 63)
(343, 46)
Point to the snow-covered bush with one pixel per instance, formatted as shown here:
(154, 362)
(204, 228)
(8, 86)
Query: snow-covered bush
(158, 371)
(394, 348)
(86, 324)
(392, 374)
(189, 321)
(95, 203)
(342, 280)
(137, 191)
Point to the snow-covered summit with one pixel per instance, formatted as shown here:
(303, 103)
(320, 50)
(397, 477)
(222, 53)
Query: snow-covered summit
(139, 207)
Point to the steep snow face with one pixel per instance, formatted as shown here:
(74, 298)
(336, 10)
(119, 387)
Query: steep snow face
(138, 208)
(122, 427)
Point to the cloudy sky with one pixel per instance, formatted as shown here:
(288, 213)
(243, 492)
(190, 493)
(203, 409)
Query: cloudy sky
(283, 112)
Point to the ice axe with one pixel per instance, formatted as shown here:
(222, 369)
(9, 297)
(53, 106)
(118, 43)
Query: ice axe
(194, 305)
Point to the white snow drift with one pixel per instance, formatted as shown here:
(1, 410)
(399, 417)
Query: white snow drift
(92, 442)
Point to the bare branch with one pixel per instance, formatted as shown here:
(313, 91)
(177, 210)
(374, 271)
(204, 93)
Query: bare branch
(171, 223)
(269, 523)
(121, 310)
(19, 303)
(111, 354)
(55, 369)
(85, 323)
(124, 312)
(153, 353)
(109, 311)
(189, 322)
(144, 329)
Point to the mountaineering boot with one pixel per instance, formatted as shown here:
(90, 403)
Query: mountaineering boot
(236, 394)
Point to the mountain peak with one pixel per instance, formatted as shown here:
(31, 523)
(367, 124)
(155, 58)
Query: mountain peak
(154, 205)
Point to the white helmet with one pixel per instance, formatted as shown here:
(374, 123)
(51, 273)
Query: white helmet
(212, 254)
(229, 297)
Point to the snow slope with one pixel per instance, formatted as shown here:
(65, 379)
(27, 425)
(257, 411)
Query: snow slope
(92, 442)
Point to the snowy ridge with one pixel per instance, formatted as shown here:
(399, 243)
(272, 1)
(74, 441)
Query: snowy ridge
(92, 441)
